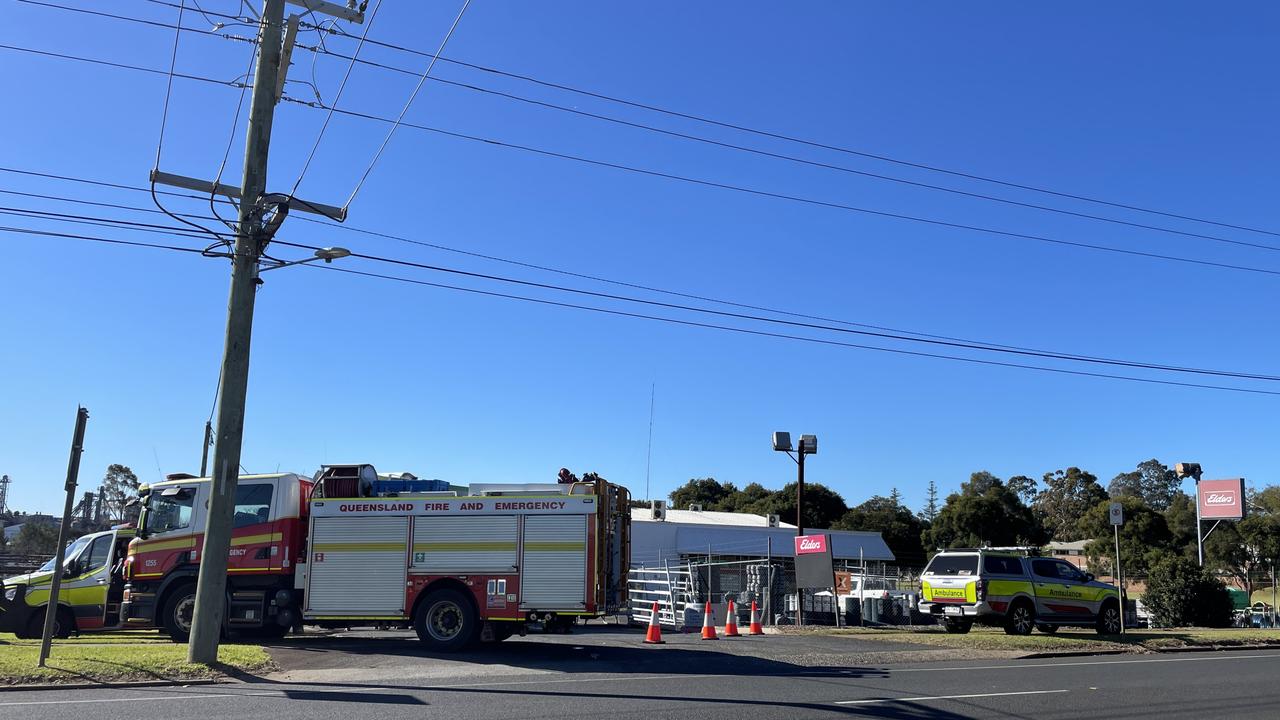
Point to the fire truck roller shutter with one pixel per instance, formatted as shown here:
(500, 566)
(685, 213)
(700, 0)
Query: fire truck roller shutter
(357, 566)
(451, 545)
(554, 571)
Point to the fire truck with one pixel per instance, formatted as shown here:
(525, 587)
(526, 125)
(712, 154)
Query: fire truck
(350, 548)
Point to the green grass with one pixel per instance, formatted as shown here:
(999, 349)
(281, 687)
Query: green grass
(1069, 639)
(119, 657)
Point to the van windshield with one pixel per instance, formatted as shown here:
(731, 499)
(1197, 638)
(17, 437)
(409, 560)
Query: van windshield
(74, 548)
(953, 565)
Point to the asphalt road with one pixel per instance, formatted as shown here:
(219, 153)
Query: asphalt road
(692, 682)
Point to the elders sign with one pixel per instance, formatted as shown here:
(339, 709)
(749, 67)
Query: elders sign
(813, 562)
(1221, 499)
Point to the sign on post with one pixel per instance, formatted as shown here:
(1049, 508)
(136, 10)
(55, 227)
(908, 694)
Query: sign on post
(1221, 499)
(813, 562)
(1117, 513)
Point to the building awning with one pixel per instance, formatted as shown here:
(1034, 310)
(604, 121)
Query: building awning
(654, 542)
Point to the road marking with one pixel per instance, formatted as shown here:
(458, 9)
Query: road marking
(1231, 656)
(922, 698)
(106, 700)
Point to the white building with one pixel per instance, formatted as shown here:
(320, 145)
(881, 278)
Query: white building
(675, 535)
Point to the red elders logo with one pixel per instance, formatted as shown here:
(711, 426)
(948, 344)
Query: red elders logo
(1220, 498)
(806, 544)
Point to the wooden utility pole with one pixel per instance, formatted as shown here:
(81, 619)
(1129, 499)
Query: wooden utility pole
(251, 238)
(73, 472)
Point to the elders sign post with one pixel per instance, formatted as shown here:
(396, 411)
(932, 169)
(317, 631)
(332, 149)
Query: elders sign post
(814, 569)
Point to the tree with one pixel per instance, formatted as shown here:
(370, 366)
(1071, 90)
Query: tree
(36, 538)
(1181, 593)
(746, 498)
(118, 486)
(1180, 516)
(1024, 487)
(822, 505)
(930, 511)
(707, 492)
(1067, 496)
(1144, 537)
(984, 512)
(895, 522)
(1152, 481)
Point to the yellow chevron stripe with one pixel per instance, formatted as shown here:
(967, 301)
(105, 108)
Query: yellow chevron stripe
(255, 539)
(153, 546)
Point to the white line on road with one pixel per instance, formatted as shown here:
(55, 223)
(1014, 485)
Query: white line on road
(1228, 656)
(107, 700)
(921, 698)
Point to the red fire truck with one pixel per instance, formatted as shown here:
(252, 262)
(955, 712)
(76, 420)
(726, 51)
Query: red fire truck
(351, 548)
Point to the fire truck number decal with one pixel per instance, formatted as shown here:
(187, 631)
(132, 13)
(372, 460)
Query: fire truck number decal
(569, 505)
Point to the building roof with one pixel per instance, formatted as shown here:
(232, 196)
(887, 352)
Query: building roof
(707, 517)
(1077, 545)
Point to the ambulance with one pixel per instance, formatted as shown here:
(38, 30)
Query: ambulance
(1015, 590)
(89, 596)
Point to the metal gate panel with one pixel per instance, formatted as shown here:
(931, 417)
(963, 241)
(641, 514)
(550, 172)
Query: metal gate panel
(357, 566)
(554, 571)
(478, 544)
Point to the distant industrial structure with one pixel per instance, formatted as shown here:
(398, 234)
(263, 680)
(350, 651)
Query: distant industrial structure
(4, 494)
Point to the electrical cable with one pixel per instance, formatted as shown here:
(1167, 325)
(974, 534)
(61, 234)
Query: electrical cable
(741, 189)
(962, 341)
(235, 124)
(164, 119)
(675, 134)
(820, 341)
(422, 80)
(791, 323)
(676, 321)
(336, 98)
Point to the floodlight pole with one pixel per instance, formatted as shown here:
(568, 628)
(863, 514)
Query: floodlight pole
(800, 490)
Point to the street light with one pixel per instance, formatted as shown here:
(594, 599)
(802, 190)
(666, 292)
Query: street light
(1192, 470)
(808, 446)
(328, 255)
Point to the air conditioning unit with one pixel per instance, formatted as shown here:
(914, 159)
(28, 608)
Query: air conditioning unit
(658, 511)
(774, 521)
(695, 507)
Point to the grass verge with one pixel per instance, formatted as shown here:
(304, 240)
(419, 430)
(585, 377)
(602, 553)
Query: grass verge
(119, 657)
(1067, 640)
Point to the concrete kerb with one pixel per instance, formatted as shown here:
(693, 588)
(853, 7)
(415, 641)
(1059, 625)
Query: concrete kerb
(115, 685)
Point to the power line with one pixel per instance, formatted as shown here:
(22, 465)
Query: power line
(676, 321)
(954, 341)
(334, 105)
(354, 59)
(811, 201)
(798, 140)
(762, 333)
(748, 190)
(793, 323)
(364, 176)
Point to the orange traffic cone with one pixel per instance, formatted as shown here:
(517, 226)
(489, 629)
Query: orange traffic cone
(731, 622)
(754, 628)
(708, 629)
(654, 634)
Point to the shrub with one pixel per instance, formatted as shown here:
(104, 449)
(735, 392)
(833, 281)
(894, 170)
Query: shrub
(1181, 593)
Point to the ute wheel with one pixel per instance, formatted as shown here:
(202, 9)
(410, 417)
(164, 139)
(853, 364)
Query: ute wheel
(446, 621)
(179, 609)
(63, 624)
(957, 627)
(1047, 629)
(1020, 620)
(1109, 620)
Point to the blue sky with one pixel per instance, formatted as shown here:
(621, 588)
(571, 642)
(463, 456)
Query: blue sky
(1169, 105)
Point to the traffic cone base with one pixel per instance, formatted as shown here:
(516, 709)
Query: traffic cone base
(731, 622)
(708, 629)
(654, 635)
(754, 628)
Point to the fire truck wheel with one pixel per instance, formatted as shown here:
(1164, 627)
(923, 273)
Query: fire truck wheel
(178, 611)
(446, 621)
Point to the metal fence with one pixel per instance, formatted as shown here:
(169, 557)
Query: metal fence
(884, 596)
